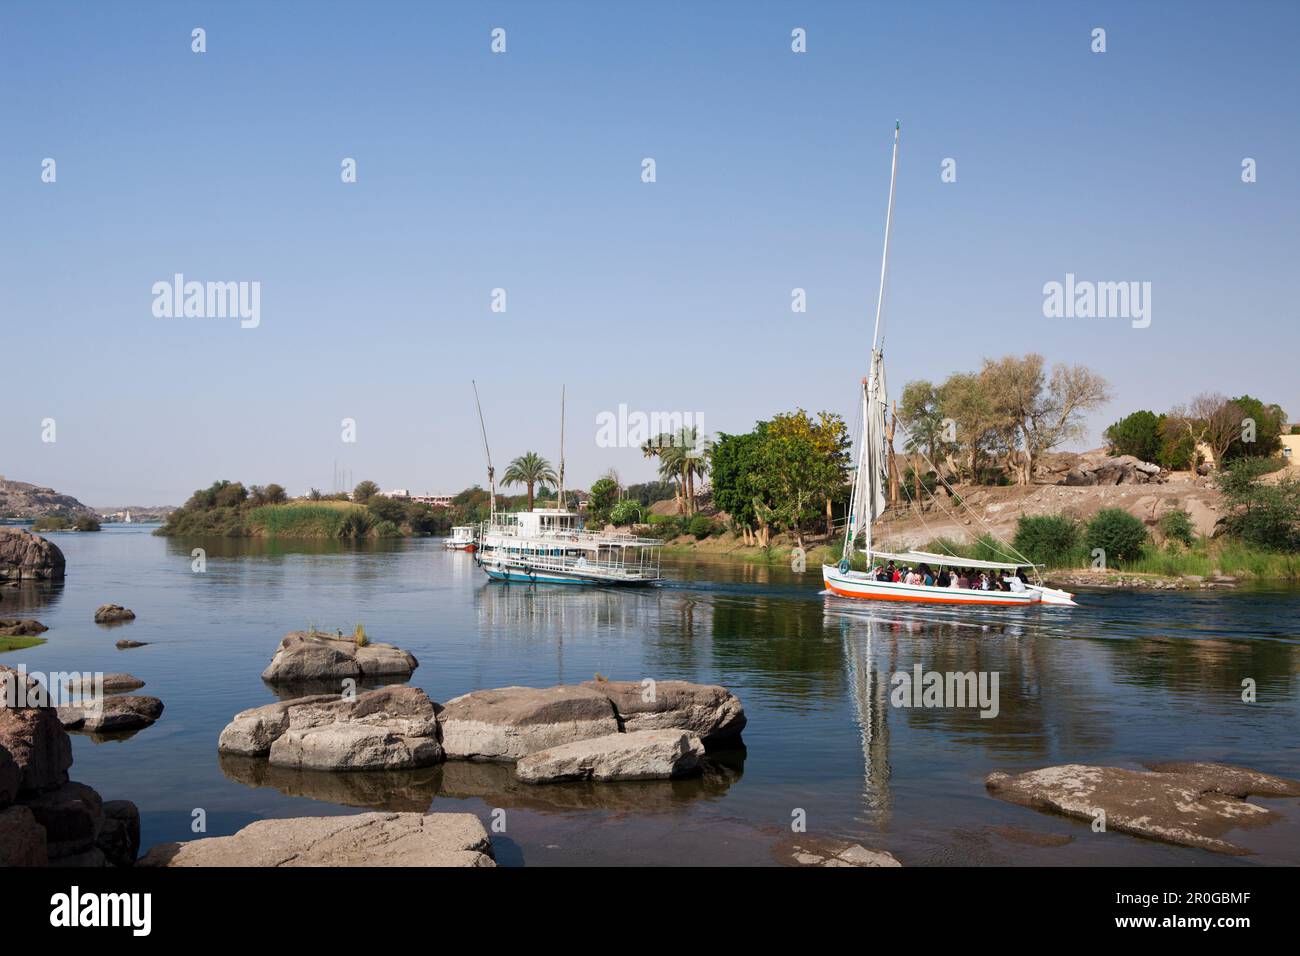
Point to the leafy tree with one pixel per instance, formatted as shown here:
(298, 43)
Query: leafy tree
(683, 457)
(364, 491)
(1269, 420)
(625, 512)
(1210, 420)
(601, 500)
(647, 493)
(529, 469)
(1137, 434)
(830, 440)
(1119, 534)
(1048, 539)
(231, 494)
(700, 526)
(1265, 515)
(1176, 525)
(733, 459)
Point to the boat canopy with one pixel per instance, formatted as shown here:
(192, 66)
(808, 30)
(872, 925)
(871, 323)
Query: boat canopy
(929, 557)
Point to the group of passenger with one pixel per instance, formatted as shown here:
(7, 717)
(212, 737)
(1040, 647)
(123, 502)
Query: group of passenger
(963, 578)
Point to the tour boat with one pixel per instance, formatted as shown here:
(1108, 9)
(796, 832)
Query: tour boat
(462, 538)
(868, 502)
(551, 546)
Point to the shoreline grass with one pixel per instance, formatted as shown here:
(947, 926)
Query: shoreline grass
(19, 643)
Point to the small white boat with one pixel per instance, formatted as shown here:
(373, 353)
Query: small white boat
(462, 538)
(868, 502)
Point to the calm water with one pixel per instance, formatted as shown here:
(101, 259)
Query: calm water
(1124, 679)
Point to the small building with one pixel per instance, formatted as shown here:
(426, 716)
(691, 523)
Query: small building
(1290, 447)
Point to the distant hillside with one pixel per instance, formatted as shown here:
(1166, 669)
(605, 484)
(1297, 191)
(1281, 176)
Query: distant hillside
(18, 499)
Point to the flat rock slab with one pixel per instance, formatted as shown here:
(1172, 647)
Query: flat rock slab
(113, 614)
(706, 710)
(25, 627)
(822, 853)
(1190, 804)
(511, 722)
(315, 656)
(368, 839)
(252, 731)
(112, 714)
(640, 755)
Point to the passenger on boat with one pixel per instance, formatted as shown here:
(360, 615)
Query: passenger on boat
(944, 578)
(927, 576)
(896, 576)
(954, 579)
(1017, 581)
(913, 576)
(962, 580)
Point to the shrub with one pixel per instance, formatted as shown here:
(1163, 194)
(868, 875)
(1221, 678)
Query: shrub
(700, 526)
(1053, 540)
(1177, 525)
(1119, 535)
(1263, 515)
(625, 512)
(387, 529)
(359, 636)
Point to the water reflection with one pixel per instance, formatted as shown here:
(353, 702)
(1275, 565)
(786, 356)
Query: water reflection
(28, 598)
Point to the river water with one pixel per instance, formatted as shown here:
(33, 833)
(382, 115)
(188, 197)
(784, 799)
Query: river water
(1124, 679)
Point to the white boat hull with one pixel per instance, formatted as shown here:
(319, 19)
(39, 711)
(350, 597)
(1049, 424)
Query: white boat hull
(856, 584)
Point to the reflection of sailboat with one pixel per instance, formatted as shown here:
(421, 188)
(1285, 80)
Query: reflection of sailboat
(870, 690)
(868, 502)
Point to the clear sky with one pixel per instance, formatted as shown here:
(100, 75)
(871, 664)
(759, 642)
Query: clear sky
(523, 171)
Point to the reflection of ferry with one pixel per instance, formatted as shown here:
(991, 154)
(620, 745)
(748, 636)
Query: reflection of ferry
(462, 538)
(550, 546)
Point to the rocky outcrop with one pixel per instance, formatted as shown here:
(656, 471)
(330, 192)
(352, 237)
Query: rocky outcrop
(313, 656)
(367, 839)
(45, 817)
(29, 557)
(711, 712)
(113, 614)
(1108, 470)
(639, 755)
(14, 627)
(25, 500)
(112, 714)
(1191, 804)
(391, 728)
(511, 722)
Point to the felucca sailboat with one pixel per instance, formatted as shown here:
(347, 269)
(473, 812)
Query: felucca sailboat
(868, 503)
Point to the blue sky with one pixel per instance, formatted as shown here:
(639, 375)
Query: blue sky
(522, 171)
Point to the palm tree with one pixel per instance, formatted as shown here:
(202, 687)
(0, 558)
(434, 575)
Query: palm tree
(529, 469)
(681, 460)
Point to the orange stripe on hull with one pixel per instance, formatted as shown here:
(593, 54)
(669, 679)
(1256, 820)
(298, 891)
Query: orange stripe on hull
(921, 600)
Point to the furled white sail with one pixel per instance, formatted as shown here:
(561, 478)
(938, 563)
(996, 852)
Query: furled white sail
(869, 500)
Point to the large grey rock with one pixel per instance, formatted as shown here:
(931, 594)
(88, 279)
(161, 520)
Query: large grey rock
(252, 731)
(392, 728)
(314, 656)
(707, 710)
(640, 755)
(1107, 470)
(36, 743)
(112, 714)
(1191, 804)
(119, 838)
(113, 614)
(118, 683)
(29, 557)
(71, 816)
(21, 627)
(22, 839)
(368, 839)
(507, 723)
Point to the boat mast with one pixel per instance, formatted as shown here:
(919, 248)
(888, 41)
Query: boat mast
(492, 481)
(559, 498)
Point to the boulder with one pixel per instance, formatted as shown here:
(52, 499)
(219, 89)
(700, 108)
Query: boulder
(117, 683)
(367, 839)
(1108, 470)
(113, 614)
(13, 627)
(639, 755)
(29, 557)
(119, 838)
(707, 710)
(1190, 804)
(125, 645)
(22, 839)
(392, 728)
(511, 722)
(252, 731)
(112, 714)
(315, 656)
(71, 816)
(36, 743)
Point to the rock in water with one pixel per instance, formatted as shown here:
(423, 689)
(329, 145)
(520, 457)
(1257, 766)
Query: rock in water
(72, 816)
(1191, 804)
(511, 722)
(112, 714)
(392, 728)
(707, 710)
(127, 645)
(315, 656)
(252, 731)
(29, 557)
(367, 839)
(119, 839)
(639, 755)
(113, 614)
(117, 683)
(13, 627)
(22, 839)
(37, 744)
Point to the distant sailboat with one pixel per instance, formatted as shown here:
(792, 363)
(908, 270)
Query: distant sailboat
(868, 500)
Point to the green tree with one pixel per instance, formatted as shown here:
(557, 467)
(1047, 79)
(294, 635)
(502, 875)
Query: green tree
(1265, 515)
(1116, 532)
(364, 491)
(1052, 540)
(529, 469)
(1137, 434)
(1268, 422)
(733, 459)
(625, 512)
(601, 500)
